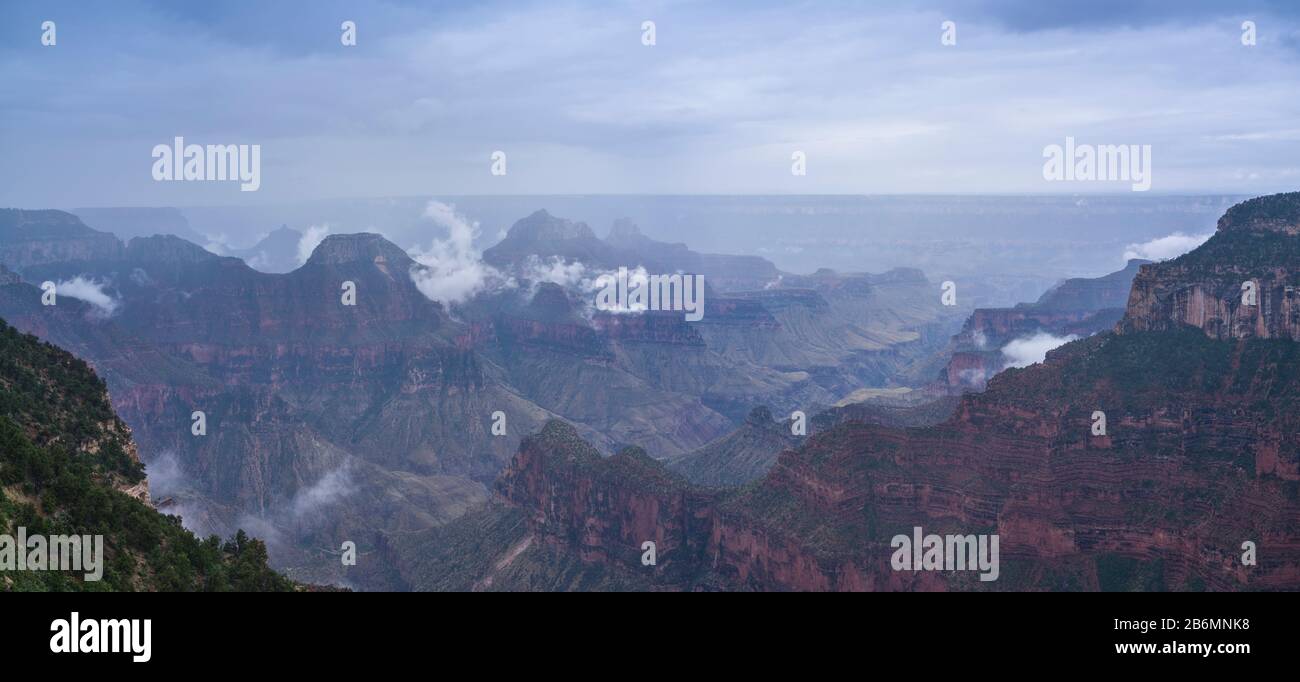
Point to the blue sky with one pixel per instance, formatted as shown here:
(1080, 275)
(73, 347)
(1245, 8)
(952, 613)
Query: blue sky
(580, 106)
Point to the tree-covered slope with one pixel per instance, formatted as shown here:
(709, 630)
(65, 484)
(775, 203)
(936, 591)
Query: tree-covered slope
(67, 464)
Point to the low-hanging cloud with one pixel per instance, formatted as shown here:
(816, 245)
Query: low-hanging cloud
(329, 490)
(556, 271)
(1030, 349)
(91, 291)
(309, 240)
(450, 270)
(1166, 247)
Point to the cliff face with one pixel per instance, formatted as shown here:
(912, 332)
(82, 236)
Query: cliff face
(1240, 284)
(604, 509)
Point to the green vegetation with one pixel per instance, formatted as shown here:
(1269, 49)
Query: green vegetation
(1250, 252)
(1271, 209)
(63, 462)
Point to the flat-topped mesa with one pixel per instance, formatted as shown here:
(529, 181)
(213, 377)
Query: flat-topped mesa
(364, 247)
(1242, 283)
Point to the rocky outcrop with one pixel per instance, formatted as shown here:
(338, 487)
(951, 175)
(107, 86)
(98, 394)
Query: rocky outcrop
(1243, 283)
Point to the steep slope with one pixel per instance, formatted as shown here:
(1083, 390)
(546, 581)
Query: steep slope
(1256, 246)
(68, 466)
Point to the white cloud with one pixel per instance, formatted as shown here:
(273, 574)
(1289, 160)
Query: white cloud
(450, 270)
(310, 240)
(91, 291)
(1164, 248)
(1026, 351)
(555, 271)
(325, 492)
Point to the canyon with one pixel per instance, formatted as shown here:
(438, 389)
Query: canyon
(1200, 458)
(370, 423)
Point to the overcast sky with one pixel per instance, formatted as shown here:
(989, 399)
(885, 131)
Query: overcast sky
(581, 106)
